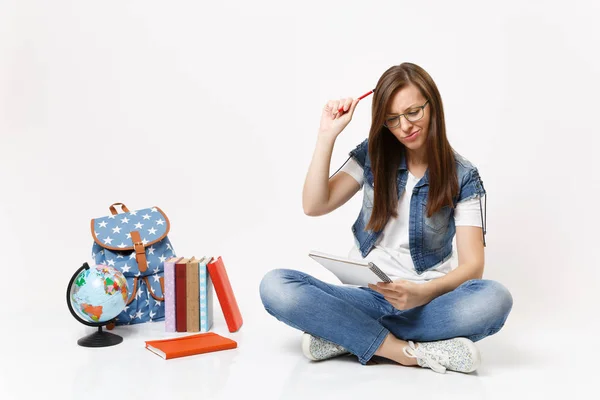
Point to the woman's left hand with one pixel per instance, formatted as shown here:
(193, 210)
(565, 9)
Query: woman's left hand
(403, 295)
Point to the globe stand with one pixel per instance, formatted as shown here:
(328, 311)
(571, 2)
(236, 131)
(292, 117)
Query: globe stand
(99, 338)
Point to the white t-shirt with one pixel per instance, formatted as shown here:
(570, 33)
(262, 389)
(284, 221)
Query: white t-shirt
(391, 252)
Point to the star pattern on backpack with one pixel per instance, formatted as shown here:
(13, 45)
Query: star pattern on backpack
(113, 246)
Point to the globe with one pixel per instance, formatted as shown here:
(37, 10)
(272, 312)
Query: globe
(98, 294)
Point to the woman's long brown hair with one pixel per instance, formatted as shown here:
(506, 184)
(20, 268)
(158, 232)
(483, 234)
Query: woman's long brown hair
(385, 150)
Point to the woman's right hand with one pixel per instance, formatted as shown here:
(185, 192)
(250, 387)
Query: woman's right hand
(334, 122)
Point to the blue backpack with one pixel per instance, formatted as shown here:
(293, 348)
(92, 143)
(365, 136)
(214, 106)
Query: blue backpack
(135, 243)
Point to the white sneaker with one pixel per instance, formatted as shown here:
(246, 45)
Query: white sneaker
(316, 349)
(457, 354)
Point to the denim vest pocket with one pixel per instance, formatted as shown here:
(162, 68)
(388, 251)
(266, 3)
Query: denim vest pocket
(439, 221)
(435, 228)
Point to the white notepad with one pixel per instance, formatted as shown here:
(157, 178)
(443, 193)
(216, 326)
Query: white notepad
(350, 272)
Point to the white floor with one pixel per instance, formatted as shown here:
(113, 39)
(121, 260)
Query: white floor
(525, 360)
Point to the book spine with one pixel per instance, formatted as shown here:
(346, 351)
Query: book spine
(231, 311)
(170, 296)
(209, 301)
(180, 298)
(205, 299)
(192, 306)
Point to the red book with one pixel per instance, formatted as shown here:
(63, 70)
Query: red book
(190, 345)
(231, 311)
(181, 295)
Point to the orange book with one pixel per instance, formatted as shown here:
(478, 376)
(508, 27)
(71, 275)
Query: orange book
(190, 345)
(229, 305)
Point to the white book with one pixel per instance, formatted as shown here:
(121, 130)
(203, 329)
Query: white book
(350, 272)
(206, 296)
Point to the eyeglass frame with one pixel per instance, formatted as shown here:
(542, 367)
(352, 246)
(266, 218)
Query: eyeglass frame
(422, 109)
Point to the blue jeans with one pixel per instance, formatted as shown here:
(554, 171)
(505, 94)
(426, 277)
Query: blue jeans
(359, 319)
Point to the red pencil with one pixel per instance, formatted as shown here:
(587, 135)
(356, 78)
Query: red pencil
(360, 98)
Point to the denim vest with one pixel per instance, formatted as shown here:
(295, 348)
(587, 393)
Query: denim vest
(430, 239)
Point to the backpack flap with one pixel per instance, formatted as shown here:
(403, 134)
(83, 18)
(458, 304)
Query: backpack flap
(132, 235)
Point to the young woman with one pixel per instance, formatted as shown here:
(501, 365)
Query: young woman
(418, 194)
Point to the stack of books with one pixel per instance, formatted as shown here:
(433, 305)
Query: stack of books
(189, 284)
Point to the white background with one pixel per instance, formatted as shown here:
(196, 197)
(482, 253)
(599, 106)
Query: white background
(210, 111)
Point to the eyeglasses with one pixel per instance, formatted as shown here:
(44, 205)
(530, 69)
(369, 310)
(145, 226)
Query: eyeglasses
(413, 115)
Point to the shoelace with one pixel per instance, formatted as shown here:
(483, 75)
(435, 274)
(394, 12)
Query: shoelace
(432, 359)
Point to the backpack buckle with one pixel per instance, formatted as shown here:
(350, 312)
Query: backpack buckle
(140, 251)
